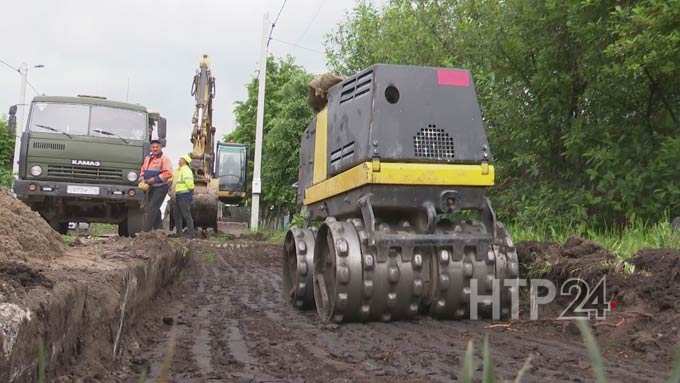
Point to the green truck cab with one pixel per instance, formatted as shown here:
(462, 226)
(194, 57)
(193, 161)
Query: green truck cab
(80, 158)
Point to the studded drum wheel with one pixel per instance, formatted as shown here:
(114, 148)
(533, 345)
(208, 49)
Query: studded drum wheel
(337, 272)
(298, 264)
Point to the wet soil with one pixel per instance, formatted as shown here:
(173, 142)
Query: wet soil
(76, 306)
(225, 321)
(644, 294)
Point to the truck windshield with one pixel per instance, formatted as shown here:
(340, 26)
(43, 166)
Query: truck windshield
(81, 120)
(65, 118)
(122, 123)
(231, 164)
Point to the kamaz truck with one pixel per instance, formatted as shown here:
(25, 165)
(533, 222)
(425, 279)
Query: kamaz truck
(80, 157)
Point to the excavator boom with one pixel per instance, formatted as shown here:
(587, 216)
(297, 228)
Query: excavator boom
(204, 206)
(203, 132)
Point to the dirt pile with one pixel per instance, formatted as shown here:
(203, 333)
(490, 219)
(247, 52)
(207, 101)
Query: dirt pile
(23, 233)
(577, 258)
(657, 278)
(644, 300)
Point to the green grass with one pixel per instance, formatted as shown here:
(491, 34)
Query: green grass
(267, 235)
(209, 256)
(42, 361)
(222, 237)
(97, 229)
(68, 239)
(276, 236)
(624, 242)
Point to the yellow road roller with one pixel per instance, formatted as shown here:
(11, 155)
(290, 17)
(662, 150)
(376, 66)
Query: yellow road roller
(394, 170)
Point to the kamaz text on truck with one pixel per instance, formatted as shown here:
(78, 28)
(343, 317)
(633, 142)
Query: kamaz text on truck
(80, 157)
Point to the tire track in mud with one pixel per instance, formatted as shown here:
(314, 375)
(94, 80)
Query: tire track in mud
(233, 325)
(232, 341)
(267, 317)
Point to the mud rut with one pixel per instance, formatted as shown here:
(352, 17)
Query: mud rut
(225, 320)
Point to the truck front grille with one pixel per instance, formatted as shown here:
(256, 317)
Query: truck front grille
(84, 173)
(48, 146)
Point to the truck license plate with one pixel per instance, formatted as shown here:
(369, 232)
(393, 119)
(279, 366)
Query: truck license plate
(87, 190)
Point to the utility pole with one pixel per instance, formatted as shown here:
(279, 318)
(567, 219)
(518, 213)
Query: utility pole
(259, 127)
(21, 121)
(21, 126)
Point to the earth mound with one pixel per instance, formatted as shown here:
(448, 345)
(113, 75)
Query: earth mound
(577, 258)
(657, 279)
(24, 234)
(644, 309)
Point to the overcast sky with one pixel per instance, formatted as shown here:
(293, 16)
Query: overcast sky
(94, 46)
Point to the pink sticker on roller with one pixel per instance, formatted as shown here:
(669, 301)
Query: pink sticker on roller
(452, 77)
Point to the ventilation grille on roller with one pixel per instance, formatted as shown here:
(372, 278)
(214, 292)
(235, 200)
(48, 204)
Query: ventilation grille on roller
(356, 86)
(342, 154)
(432, 142)
(48, 146)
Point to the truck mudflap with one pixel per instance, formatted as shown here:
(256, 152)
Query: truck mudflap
(29, 189)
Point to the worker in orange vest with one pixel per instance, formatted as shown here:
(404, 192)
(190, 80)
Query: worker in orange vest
(156, 173)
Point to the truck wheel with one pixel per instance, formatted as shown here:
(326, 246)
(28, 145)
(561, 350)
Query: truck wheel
(132, 224)
(60, 227)
(122, 229)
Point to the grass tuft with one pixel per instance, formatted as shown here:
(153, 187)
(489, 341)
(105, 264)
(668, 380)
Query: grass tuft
(42, 362)
(68, 239)
(675, 372)
(487, 375)
(624, 242)
(593, 351)
(469, 363)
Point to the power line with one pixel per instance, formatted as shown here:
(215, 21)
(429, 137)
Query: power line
(311, 22)
(9, 66)
(276, 20)
(297, 45)
(32, 87)
(19, 71)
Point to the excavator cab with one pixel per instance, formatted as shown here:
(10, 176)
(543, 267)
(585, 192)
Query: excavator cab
(231, 170)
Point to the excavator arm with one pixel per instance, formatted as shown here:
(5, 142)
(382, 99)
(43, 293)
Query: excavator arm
(203, 132)
(204, 206)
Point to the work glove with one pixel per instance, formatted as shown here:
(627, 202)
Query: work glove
(144, 186)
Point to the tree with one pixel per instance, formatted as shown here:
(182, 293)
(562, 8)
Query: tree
(6, 154)
(581, 99)
(286, 117)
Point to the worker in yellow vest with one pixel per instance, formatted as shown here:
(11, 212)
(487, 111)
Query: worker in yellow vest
(183, 187)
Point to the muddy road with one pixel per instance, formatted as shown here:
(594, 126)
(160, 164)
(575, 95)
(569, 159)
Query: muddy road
(224, 321)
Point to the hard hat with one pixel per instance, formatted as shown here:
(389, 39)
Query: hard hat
(187, 158)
